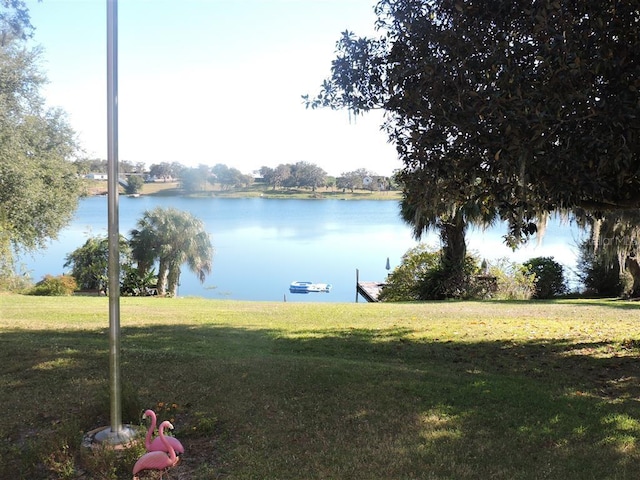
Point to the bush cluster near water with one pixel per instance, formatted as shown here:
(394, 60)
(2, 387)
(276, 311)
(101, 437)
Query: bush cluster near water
(424, 275)
(54, 286)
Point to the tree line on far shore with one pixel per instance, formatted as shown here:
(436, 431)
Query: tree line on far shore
(195, 179)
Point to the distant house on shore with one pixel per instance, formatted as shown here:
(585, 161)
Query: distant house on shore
(160, 178)
(96, 176)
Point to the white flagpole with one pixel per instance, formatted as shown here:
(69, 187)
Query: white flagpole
(113, 222)
(116, 434)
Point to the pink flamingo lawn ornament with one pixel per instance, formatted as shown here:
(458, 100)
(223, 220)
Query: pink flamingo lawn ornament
(156, 445)
(157, 460)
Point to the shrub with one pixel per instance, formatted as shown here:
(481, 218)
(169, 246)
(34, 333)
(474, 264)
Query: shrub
(15, 282)
(404, 283)
(54, 286)
(422, 275)
(90, 262)
(549, 277)
(513, 281)
(134, 283)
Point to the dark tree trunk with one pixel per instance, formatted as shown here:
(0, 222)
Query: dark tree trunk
(454, 253)
(454, 245)
(173, 280)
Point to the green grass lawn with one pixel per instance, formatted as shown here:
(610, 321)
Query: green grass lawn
(444, 390)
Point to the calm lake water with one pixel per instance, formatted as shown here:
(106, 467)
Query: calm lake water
(262, 245)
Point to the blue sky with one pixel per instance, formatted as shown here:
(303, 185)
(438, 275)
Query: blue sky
(210, 81)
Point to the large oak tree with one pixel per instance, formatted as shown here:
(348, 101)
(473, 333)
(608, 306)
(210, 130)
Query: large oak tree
(519, 107)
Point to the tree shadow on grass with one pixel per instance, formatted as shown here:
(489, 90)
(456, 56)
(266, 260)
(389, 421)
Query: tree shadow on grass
(342, 403)
(603, 302)
(607, 302)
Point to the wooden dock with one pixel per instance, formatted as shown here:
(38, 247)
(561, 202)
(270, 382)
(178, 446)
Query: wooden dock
(368, 290)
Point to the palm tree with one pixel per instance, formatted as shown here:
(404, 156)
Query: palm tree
(173, 238)
(142, 245)
(425, 208)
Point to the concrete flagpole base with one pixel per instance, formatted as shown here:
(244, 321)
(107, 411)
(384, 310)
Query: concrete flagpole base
(104, 437)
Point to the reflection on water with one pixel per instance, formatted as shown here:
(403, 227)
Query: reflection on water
(262, 245)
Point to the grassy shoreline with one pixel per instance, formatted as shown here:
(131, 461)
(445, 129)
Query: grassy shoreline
(461, 390)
